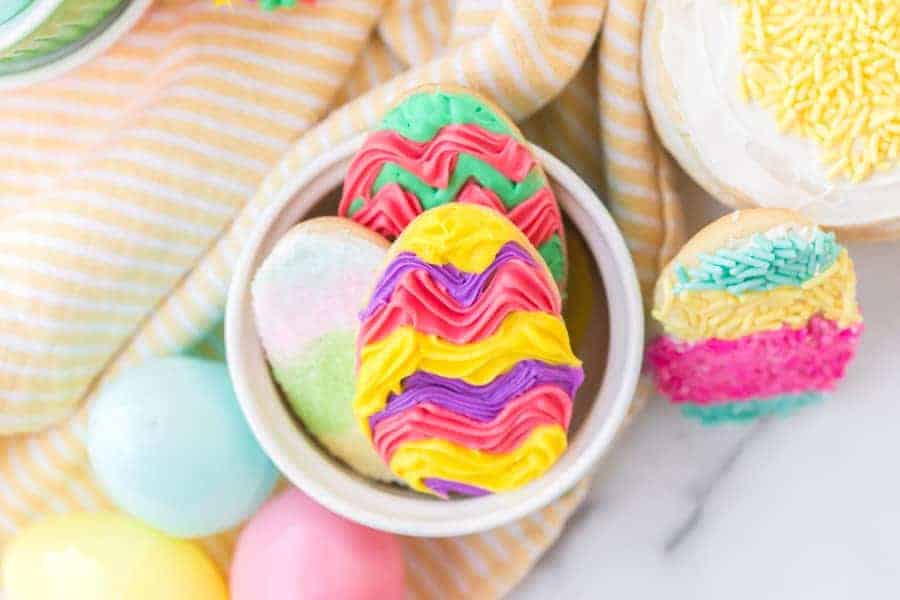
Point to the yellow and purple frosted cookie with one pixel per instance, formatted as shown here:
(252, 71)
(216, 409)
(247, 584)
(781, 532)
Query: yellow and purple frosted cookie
(466, 375)
(448, 144)
(760, 317)
(305, 301)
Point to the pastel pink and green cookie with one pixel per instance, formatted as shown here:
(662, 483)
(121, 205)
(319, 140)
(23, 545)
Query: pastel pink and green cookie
(306, 298)
(447, 144)
(760, 317)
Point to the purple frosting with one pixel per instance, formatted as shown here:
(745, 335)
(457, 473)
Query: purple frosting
(463, 286)
(445, 487)
(480, 402)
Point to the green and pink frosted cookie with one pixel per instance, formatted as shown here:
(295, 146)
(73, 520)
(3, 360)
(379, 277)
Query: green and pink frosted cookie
(306, 298)
(443, 144)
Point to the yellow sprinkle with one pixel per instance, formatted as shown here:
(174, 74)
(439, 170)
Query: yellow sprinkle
(828, 70)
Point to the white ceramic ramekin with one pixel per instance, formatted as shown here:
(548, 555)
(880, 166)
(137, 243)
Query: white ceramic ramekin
(609, 340)
(67, 58)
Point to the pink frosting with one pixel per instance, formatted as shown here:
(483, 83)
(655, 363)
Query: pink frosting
(537, 217)
(425, 305)
(390, 211)
(433, 161)
(542, 405)
(769, 363)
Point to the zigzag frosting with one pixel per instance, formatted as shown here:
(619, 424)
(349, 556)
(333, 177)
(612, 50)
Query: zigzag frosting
(495, 472)
(465, 376)
(482, 403)
(760, 327)
(544, 405)
(459, 152)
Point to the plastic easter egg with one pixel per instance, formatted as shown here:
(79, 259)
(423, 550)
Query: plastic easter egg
(294, 548)
(106, 556)
(169, 444)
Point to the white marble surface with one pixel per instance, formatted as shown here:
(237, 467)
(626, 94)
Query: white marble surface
(803, 507)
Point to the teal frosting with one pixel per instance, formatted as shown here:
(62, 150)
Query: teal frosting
(420, 116)
(467, 167)
(10, 8)
(762, 264)
(748, 410)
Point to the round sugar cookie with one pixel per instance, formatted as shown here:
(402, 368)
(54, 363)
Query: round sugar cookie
(466, 374)
(782, 104)
(306, 298)
(443, 144)
(759, 315)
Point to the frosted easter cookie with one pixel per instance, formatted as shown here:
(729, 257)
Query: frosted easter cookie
(782, 104)
(443, 144)
(760, 317)
(306, 298)
(466, 374)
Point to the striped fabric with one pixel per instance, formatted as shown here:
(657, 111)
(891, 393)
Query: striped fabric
(128, 186)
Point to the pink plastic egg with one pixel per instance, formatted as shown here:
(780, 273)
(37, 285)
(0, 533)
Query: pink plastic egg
(294, 548)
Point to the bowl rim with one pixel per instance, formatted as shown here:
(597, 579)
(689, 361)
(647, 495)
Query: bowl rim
(626, 335)
(93, 47)
(23, 23)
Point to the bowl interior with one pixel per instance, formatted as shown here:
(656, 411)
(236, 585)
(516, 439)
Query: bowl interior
(585, 313)
(605, 335)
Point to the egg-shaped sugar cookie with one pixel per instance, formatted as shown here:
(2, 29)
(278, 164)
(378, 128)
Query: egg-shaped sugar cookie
(790, 105)
(759, 315)
(466, 375)
(306, 298)
(443, 144)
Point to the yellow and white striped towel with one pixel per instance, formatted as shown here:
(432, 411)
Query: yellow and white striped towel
(128, 186)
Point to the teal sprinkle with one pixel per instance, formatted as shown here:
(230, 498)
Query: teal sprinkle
(746, 411)
(761, 265)
(355, 206)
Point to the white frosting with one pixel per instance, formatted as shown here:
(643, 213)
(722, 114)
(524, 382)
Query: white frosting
(736, 141)
(803, 232)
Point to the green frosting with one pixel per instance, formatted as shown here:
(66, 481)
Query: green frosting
(761, 264)
(355, 206)
(552, 253)
(749, 410)
(276, 4)
(320, 383)
(467, 167)
(422, 115)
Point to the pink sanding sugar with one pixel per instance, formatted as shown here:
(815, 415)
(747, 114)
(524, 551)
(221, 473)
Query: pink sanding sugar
(759, 365)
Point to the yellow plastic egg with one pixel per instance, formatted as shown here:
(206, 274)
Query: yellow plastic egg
(106, 556)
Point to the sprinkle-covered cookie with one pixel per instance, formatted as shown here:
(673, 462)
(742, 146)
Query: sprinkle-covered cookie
(760, 316)
(306, 298)
(465, 371)
(446, 144)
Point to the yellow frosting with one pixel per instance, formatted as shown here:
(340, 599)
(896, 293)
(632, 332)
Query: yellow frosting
(522, 335)
(414, 461)
(464, 235)
(829, 70)
(696, 315)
